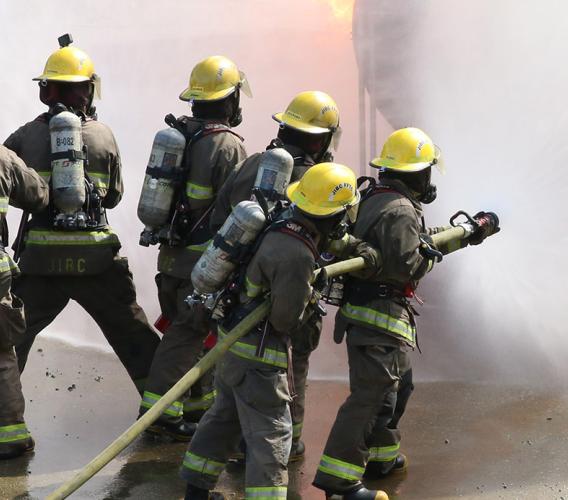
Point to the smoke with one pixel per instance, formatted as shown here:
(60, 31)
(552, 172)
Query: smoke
(486, 80)
(144, 54)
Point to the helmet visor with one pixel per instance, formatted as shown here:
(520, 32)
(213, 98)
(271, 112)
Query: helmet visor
(244, 85)
(439, 161)
(352, 210)
(96, 79)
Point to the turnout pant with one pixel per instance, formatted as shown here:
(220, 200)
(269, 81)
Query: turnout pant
(109, 298)
(304, 342)
(365, 428)
(13, 430)
(252, 399)
(180, 348)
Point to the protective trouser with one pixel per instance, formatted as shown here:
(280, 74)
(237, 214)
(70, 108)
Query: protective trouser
(13, 430)
(178, 351)
(361, 430)
(252, 399)
(304, 342)
(109, 298)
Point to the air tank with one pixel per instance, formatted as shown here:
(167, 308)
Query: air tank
(220, 258)
(160, 183)
(274, 173)
(67, 166)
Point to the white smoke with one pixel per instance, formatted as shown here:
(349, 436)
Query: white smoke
(487, 81)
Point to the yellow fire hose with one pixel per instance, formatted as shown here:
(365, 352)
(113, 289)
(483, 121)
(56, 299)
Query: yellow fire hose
(111, 451)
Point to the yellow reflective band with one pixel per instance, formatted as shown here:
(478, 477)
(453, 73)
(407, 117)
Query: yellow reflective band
(248, 351)
(252, 289)
(380, 320)
(45, 174)
(297, 430)
(46, 237)
(198, 192)
(13, 433)
(198, 247)
(202, 465)
(384, 453)
(100, 180)
(7, 264)
(340, 469)
(202, 403)
(4, 202)
(149, 399)
(266, 492)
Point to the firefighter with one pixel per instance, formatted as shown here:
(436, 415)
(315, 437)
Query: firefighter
(24, 188)
(378, 319)
(68, 256)
(253, 393)
(307, 130)
(213, 151)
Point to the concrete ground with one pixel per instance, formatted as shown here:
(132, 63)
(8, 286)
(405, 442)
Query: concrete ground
(469, 441)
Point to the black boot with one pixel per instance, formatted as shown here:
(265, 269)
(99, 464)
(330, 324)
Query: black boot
(195, 493)
(376, 470)
(13, 450)
(298, 451)
(177, 429)
(365, 494)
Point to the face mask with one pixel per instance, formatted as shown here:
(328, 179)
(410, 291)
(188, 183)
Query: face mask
(237, 118)
(429, 195)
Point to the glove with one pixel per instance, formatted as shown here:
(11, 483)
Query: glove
(487, 224)
(372, 258)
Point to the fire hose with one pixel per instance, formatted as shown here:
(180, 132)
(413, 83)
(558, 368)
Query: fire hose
(486, 222)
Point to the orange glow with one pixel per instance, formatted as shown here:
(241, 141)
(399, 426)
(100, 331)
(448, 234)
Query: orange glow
(342, 9)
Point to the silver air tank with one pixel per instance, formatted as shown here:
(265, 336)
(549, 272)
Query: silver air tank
(219, 260)
(160, 183)
(67, 169)
(274, 173)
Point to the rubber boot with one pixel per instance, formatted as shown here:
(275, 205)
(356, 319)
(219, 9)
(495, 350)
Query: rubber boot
(13, 450)
(195, 493)
(365, 494)
(178, 429)
(298, 451)
(376, 470)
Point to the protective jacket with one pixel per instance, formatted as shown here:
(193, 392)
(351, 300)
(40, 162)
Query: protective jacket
(85, 252)
(390, 219)
(238, 186)
(22, 187)
(210, 159)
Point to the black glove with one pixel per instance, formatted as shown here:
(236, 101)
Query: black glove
(487, 224)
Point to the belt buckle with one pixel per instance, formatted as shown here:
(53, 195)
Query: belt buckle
(383, 291)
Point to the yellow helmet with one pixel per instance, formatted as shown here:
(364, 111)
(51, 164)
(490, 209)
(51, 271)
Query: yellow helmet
(408, 150)
(325, 189)
(313, 112)
(215, 78)
(70, 64)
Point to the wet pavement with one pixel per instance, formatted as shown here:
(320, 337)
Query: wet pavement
(469, 441)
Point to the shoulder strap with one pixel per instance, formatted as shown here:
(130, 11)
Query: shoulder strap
(297, 230)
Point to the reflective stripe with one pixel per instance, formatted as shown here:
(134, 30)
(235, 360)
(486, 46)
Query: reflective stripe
(45, 174)
(100, 180)
(266, 492)
(383, 453)
(199, 247)
(248, 351)
(202, 403)
(198, 192)
(149, 399)
(13, 433)
(202, 465)
(4, 201)
(252, 289)
(7, 264)
(380, 320)
(342, 470)
(297, 430)
(46, 237)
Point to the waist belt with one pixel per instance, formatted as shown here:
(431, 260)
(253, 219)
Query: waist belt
(377, 290)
